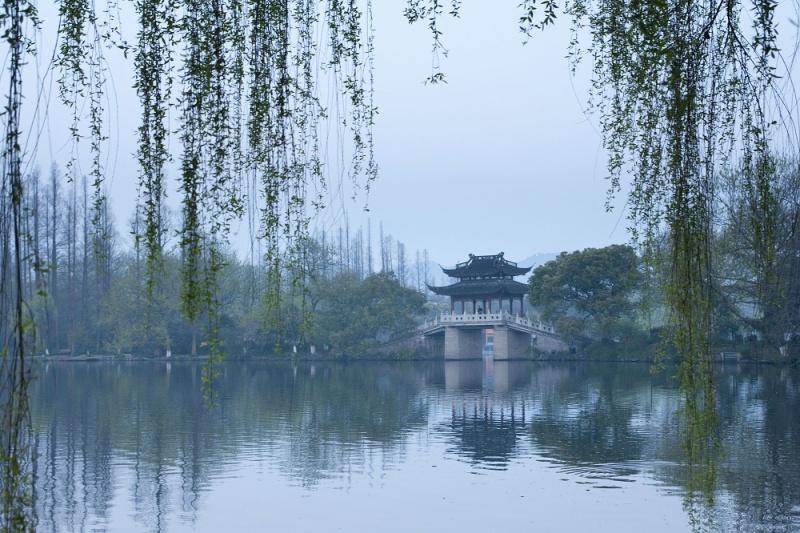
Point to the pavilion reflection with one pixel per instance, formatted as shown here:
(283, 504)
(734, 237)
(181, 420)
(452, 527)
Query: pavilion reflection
(487, 419)
(479, 374)
(487, 432)
(463, 375)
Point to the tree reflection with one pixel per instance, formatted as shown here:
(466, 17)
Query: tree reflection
(142, 430)
(760, 434)
(313, 421)
(702, 449)
(595, 419)
(17, 494)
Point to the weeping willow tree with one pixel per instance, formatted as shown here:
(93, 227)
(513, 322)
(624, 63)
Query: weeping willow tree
(248, 82)
(683, 89)
(18, 18)
(255, 92)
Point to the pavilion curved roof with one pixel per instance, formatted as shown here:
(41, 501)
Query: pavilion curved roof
(482, 287)
(486, 266)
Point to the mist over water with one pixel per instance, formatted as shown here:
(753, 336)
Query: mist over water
(131, 446)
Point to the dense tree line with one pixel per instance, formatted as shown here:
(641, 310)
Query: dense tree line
(89, 292)
(68, 264)
(757, 272)
(754, 263)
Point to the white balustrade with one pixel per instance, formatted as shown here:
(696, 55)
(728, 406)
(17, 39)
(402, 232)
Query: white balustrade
(487, 319)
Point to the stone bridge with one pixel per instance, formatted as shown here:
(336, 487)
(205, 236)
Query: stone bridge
(460, 336)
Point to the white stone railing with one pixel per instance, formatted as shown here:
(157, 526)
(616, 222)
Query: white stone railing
(529, 322)
(487, 318)
(471, 317)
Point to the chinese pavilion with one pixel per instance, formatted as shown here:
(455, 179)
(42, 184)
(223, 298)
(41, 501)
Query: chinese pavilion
(485, 283)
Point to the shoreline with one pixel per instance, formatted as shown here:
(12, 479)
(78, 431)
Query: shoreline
(270, 358)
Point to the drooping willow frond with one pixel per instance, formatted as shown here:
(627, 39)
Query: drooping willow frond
(17, 17)
(242, 88)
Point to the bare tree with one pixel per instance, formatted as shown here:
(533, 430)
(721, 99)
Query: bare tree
(369, 247)
(402, 264)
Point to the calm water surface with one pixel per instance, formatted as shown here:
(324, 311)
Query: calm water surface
(421, 446)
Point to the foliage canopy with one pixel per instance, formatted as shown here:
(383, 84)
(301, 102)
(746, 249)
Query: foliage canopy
(355, 316)
(594, 285)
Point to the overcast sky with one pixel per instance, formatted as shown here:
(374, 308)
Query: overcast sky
(500, 158)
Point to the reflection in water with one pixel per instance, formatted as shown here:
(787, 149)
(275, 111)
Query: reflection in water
(485, 428)
(760, 427)
(599, 423)
(487, 434)
(700, 437)
(498, 376)
(463, 375)
(133, 442)
(702, 449)
(17, 458)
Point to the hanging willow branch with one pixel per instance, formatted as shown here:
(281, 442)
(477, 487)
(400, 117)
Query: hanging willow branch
(288, 70)
(16, 324)
(249, 109)
(258, 65)
(250, 119)
(152, 63)
(211, 184)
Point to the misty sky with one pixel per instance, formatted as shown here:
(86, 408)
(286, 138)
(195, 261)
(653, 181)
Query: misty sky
(501, 158)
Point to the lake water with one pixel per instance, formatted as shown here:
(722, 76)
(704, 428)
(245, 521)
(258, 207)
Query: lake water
(416, 446)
